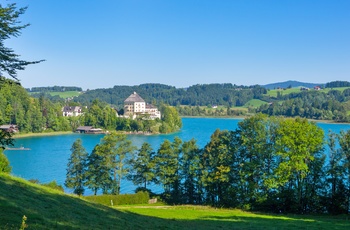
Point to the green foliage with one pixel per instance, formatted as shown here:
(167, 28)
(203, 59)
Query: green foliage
(23, 224)
(336, 84)
(142, 166)
(201, 94)
(4, 163)
(47, 209)
(326, 105)
(10, 27)
(53, 184)
(107, 163)
(123, 199)
(76, 168)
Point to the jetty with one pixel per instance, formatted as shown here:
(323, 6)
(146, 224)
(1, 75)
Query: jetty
(20, 148)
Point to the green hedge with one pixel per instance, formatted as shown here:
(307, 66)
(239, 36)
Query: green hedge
(138, 198)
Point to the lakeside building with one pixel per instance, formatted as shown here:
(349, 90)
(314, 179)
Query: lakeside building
(9, 128)
(135, 106)
(72, 111)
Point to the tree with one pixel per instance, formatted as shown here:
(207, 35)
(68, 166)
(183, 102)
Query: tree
(167, 168)
(76, 168)
(4, 163)
(190, 172)
(97, 174)
(344, 142)
(107, 163)
(142, 172)
(216, 166)
(336, 174)
(297, 142)
(10, 26)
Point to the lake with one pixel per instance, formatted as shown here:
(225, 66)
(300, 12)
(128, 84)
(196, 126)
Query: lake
(48, 156)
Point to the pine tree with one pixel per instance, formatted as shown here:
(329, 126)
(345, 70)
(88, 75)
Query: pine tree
(97, 174)
(76, 168)
(190, 172)
(142, 165)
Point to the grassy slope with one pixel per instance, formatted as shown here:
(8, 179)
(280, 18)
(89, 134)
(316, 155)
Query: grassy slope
(64, 95)
(255, 103)
(273, 92)
(49, 209)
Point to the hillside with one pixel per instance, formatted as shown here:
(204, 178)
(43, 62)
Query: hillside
(286, 84)
(49, 209)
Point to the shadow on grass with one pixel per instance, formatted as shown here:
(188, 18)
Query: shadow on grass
(49, 209)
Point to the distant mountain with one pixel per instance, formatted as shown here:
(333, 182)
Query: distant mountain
(291, 83)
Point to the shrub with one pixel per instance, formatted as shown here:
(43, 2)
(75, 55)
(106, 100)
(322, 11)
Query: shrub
(53, 184)
(138, 198)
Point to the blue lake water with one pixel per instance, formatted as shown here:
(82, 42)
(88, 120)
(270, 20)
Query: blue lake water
(48, 157)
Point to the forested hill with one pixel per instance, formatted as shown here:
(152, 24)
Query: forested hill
(291, 84)
(54, 89)
(200, 94)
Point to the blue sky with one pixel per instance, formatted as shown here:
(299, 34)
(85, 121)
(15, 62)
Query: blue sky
(102, 43)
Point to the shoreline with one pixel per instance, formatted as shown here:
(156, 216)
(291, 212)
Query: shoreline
(18, 136)
(24, 135)
(243, 117)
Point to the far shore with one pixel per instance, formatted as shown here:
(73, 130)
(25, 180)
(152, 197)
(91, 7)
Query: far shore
(22, 135)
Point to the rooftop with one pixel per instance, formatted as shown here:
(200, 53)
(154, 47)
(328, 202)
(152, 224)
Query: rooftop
(134, 98)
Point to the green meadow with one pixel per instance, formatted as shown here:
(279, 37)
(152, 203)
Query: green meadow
(64, 95)
(46, 208)
(273, 92)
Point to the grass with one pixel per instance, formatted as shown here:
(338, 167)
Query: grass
(255, 103)
(273, 92)
(50, 209)
(64, 95)
(20, 135)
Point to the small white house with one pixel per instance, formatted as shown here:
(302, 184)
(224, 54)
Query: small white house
(72, 111)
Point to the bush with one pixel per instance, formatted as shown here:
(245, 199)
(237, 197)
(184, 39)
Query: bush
(4, 163)
(138, 198)
(54, 185)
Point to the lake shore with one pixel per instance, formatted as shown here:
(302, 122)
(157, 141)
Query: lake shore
(23, 135)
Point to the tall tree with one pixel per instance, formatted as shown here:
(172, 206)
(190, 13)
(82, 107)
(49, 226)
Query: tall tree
(142, 166)
(10, 26)
(114, 152)
(190, 172)
(344, 142)
(297, 142)
(76, 168)
(216, 166)
(167, 168)
(335, 177)
(98, 173)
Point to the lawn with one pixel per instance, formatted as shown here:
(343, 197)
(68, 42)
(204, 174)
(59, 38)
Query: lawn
(254, 103)
(201, 217)
(46, 208)
(64, 95)
(273, 92)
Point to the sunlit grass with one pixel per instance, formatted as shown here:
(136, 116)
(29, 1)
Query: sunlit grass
(46, 208)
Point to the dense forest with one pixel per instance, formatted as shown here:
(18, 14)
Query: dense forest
(267, 164)
(311, 104)
(201, 95)
(54, 89)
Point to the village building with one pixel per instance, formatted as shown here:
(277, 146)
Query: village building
(72, 111)
(89, 130)
(135, 106)
(9, 128)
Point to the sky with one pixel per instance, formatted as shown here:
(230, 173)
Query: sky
(101, 43)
